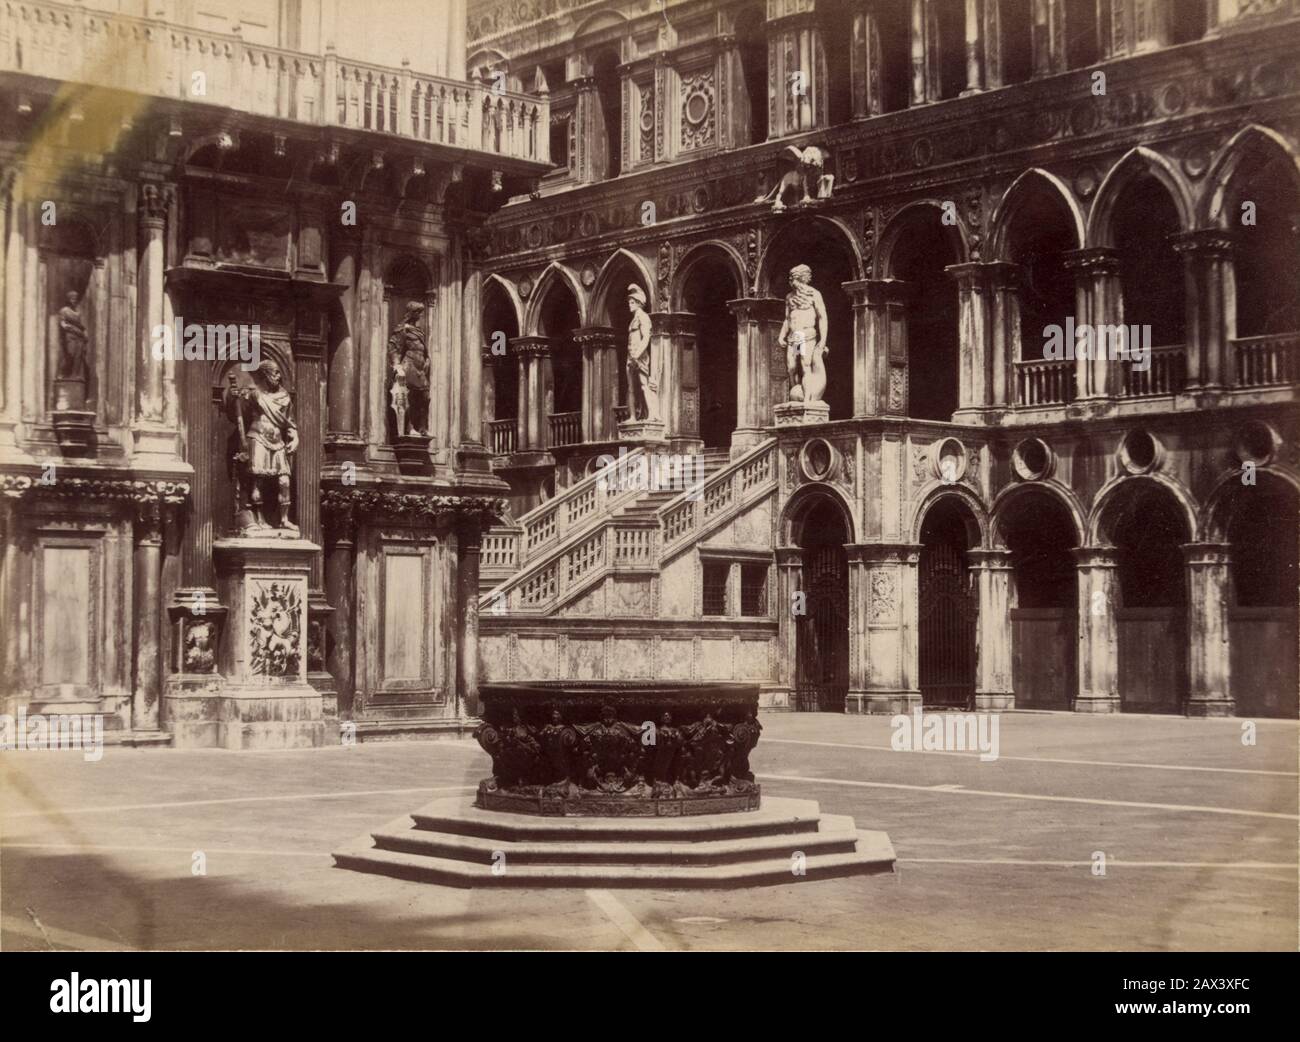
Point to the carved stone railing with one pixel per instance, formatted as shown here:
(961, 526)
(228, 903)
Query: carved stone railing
(165, 60)
(1267, 361)
(1167, 374)
(1045, 382)
(502, 436)
(566, 428)
(556, 565)
(696, 512)
(581, 506)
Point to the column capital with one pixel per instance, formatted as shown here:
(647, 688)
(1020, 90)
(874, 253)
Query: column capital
(1101, 260)
(1208, 554)
(530, 346)
(155, 202)
(883, 553)
(595, 336)
(876, 292)
(996, 559)
(789, 557)
(672, 323)
(1210, 242)
(1096, 556)
(757, 308)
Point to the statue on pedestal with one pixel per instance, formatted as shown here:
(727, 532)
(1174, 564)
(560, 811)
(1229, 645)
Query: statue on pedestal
(643, 388)
(804, 335)
(408, 357)
(268, 438)
(72, 340)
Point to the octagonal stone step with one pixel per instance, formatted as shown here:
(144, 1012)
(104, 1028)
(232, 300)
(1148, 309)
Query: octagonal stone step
(451, 842)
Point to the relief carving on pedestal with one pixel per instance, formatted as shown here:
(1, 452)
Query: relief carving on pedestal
(275, 631)
(882, 597)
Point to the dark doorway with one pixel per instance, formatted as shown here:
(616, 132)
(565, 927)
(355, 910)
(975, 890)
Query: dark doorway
(1041, 537)
(822, 632)
(948, 609)
(924, 250)
(751, 36)
(708, 287)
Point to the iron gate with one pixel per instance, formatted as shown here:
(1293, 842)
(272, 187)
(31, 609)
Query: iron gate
(948, 612)
(822, 636)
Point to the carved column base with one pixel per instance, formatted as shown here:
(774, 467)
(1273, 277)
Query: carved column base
(794, 414)
(263, 698)
(882, 703)
(153, 445)
(344, 448)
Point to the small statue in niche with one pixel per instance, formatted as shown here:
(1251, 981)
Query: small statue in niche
(408, 358)
(643, 388)
(804, 335)
(72, 340)
(200, 656)
(268, 439)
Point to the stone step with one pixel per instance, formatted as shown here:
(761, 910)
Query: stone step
(873, 854)
(459, 816)
(715, 850)
(840, 840)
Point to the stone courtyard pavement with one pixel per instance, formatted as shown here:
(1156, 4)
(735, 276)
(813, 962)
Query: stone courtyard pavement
(1199, 834)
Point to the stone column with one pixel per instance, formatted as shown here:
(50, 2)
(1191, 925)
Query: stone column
(974, 48)
(758, 320)
(879, 346)
(672, 346)
(1209, 662)
(468, 551)
(993, 690)
(865, 70)
(795, 44)
(590, 148)
(1047, 35)
(1098, 575)
(343, 440)
(733, 100)
(1099, 300)
(1005, 341)
(152, 439)
(973, 335)
(992, 33)
(11, 293)
(789, 581)
(146, 569)
(536, 391)
(920, 49)
(470, 452)
(1209, 278)
(340, 591)
(599, 347)
(883, 614)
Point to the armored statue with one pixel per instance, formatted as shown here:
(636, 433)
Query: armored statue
(408, 358)
(643, 387)
(268, 440)
(804, 335)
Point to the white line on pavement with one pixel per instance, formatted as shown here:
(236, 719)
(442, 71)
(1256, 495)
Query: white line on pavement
(1031, 796)
(1040, 759)
(342, 794)
(628, 923)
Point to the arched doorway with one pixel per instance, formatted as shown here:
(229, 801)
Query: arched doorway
(822, 631)
(1041, 536)
(1144, 220)
(558, 317)
(824, 247)
(500, 325)
(948, 608)
(1148, 528)
(707, 285)
(1262, 617)
(923, 249)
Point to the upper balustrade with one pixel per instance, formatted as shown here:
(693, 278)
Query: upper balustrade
(164, 60)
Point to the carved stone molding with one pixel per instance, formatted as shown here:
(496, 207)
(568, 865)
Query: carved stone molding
(346, 506)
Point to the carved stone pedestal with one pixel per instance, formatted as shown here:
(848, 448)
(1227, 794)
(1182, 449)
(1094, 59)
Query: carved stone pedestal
(263, 699)
(412, 452)
(794, 414)
(641, 431)
(75, 430)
